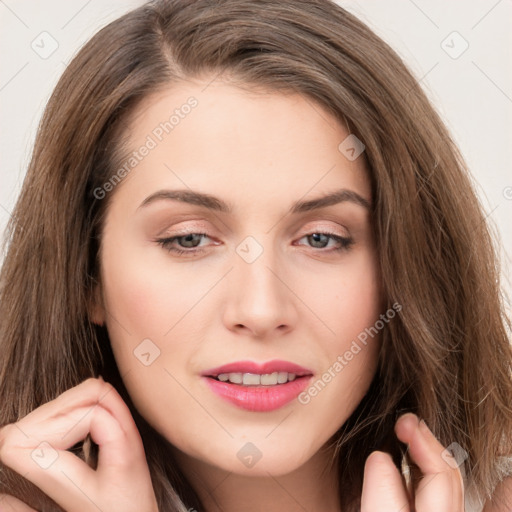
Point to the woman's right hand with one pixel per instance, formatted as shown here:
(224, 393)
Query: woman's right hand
(36, 448)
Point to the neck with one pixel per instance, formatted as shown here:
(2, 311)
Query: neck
(313, 486)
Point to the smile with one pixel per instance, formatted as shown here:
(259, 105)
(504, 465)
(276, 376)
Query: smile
(258, 387)
(255, 379)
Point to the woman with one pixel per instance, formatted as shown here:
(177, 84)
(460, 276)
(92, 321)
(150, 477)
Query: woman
(247, 219)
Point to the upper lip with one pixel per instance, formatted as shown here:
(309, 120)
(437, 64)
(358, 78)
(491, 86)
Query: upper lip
(259, 368)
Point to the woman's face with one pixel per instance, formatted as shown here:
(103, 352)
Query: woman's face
(279, 279)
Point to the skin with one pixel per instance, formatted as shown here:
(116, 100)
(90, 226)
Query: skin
(297, 302)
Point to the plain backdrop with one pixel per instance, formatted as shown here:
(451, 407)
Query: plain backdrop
(460, 51)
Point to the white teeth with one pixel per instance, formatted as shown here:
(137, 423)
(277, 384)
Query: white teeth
(269, 379)
(251, 379)
(282, 377)
(255, 379)
(235, 378)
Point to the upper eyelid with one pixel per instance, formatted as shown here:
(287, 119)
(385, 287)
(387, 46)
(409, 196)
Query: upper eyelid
(344, 243)
(174, 237)
(180, 234)
(195, 229)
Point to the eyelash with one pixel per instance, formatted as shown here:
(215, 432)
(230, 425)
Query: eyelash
(345, 243)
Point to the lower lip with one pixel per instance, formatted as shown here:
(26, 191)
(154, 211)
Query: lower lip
(259, 398)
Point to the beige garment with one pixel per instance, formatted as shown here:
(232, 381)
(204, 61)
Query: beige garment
(472, 503)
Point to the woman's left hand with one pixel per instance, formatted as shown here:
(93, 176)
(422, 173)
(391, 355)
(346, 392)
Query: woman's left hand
(441, 489)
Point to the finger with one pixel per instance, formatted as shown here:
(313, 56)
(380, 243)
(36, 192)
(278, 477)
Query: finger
(63, 476)
(72, 408)
(97, 390)
(442, 487)
(87, 394)
(36, 446)
(119, 440)
(60, 474)
(12, 504)
(383, 490)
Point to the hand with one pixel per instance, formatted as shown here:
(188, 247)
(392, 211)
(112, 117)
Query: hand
(36, 448)
(441, 488)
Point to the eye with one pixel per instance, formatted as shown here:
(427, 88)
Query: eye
(188, 243)
(320, 240)
(190, 240)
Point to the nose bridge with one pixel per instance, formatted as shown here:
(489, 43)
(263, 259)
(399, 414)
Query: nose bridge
(256, 258)
(258, 297)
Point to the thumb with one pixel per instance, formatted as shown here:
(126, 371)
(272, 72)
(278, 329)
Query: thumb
(383, 490)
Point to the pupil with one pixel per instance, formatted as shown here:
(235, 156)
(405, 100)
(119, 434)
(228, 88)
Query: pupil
(316, 237)
(190, 238)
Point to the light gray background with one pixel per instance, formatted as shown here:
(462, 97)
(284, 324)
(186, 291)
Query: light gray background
(473, 92)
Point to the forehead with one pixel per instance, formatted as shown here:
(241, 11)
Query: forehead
(244, 143)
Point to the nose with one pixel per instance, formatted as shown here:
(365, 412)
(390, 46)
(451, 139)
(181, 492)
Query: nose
(260, 300)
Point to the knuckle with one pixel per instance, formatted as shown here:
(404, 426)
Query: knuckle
(92, 383)
(95, 387)
(98, 385)
(87, 385)
(90, 390)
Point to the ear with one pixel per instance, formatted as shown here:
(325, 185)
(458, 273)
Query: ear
(96, 309)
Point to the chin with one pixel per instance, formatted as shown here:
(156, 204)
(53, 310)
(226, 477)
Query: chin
(277, 464)
(260, 458)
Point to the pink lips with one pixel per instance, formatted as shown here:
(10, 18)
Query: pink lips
(251, 367)
(258, 398)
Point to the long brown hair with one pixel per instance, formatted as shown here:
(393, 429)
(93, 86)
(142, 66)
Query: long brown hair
(446, 356)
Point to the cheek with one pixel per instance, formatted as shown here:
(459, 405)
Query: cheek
(351, 307)
(348, 300)
(155, 301)
(144, 298)
(140, 306)
(146, 307)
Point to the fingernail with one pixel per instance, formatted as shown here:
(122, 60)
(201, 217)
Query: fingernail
(424, 428)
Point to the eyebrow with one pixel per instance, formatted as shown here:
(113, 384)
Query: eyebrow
(216, 204)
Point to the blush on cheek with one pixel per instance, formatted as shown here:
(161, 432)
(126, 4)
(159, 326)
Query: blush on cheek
(349, 309)
(131, 301)
(148, 301)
